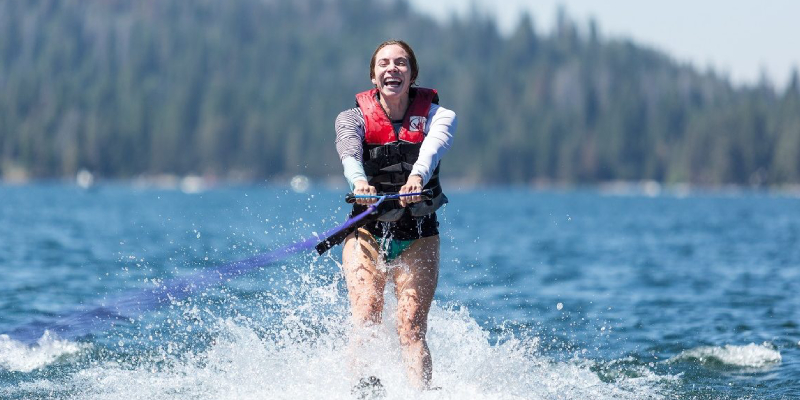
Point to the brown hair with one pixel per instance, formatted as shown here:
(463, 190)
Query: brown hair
(412, 59)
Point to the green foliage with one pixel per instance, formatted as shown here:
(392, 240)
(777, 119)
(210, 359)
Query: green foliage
(251, 88)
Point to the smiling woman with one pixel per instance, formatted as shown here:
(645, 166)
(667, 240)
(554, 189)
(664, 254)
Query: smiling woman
(392, 143)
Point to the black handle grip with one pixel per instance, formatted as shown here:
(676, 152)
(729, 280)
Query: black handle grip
(427, 194)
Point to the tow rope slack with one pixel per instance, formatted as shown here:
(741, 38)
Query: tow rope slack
(91, 319)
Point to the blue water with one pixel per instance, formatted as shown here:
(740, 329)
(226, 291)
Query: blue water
(542, 295)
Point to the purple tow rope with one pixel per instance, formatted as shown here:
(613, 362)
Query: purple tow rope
(85, 321)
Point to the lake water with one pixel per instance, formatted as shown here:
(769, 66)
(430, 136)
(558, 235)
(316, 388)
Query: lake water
(542, 295)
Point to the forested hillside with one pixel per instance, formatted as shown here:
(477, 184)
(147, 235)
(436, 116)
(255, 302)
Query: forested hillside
(250, 88)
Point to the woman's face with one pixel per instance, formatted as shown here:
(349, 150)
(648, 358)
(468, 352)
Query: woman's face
(392, 71)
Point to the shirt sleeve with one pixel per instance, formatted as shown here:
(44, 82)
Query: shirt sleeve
(441, 127)
(350, 134)
(349, 138)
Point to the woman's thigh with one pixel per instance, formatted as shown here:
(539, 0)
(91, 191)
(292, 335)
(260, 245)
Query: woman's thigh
(415, 283)
(365, 280)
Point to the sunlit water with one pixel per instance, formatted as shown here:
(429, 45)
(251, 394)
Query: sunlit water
(542, 295)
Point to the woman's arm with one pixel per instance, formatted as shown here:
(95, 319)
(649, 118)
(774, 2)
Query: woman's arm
(349, 137)
(441, 126)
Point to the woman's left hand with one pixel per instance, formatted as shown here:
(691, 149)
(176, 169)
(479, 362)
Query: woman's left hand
(413, 185)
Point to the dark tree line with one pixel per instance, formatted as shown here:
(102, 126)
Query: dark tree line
(250, 89)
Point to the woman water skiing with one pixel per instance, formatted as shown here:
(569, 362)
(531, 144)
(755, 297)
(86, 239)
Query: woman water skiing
(392, 142)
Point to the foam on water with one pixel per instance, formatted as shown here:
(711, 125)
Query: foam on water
(295, 346)
(242, 365)
(245, 362)
(748, 356)
(19, 357)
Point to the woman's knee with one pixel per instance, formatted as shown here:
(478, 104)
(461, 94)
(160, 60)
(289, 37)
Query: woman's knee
(411, 319)
(367, 307)
(410, 331)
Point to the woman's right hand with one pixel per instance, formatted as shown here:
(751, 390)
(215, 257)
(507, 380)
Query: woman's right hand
(362, 187)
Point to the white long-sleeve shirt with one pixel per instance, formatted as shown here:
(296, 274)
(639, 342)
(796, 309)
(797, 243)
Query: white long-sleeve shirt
(350, 138)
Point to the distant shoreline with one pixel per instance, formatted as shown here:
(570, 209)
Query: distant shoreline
(197, 184)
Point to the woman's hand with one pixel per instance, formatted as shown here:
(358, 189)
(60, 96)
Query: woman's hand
(413, 185)
(362, 187)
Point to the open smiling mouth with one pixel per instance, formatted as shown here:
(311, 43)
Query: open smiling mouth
(392, 82)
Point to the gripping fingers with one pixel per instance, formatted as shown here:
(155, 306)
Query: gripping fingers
(363, 188)
(410, 188)
(413, 185)
(368, 201)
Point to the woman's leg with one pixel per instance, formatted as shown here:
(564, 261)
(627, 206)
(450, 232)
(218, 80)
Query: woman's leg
(415, 283)
(365, 284)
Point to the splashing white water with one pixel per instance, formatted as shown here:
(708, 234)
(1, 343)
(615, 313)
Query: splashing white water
(749, 356)
(19, 357)
(303, 353)
(244, 364)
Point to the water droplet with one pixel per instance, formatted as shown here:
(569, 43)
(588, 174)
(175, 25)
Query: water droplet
(559, 306)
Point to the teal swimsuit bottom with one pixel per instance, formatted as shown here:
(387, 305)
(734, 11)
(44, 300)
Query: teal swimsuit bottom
(394, 238)
(392, 248)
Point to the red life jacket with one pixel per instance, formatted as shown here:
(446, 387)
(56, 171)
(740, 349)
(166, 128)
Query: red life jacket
(378, 127)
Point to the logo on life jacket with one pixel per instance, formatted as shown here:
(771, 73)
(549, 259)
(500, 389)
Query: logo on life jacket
(417, 123)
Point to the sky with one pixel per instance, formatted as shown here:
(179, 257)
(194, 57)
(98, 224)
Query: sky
(744, 40)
